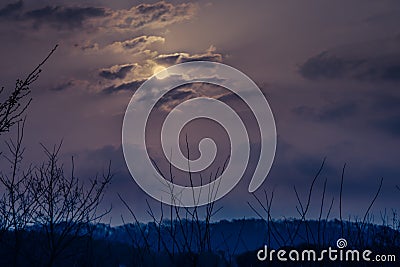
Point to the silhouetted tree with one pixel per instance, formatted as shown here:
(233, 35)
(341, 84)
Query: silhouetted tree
(17, 101)
(16, 207)
(16, 204)
(65, 206)
(42, 202)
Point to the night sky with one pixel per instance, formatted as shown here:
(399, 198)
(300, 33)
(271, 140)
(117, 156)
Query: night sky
(329, 70)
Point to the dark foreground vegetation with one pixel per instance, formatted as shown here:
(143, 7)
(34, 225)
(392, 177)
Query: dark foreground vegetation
(231, 243)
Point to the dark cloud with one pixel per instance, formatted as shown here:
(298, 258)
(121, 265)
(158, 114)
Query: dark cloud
(11, 9)
(141, 41)
(63, 86)
(134, 42)
(328, 66)
(169, 59)
(138, 43)
(204, 57)
(377, 61)
(188, 91)
(64, 17)
(182, 94)
(130, 86)
(328, 113)
(59, 17)
(170, 100)
(87, 46)
(175, 58)
(155, 15)
(116, 73)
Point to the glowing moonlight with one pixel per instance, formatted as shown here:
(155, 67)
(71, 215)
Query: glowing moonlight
(160, 72)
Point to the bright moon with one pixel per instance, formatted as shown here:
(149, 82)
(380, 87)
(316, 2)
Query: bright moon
(160, 72)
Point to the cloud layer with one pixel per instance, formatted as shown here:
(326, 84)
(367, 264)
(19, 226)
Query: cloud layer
(60, 17)
(363, 62)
